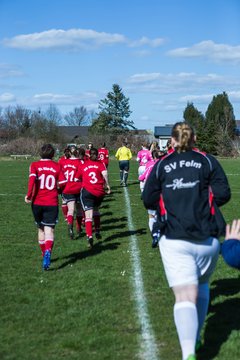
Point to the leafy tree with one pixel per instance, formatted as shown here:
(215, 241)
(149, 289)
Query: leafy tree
(114, 113)
(78, 117)
(196, 119)
(220, 125)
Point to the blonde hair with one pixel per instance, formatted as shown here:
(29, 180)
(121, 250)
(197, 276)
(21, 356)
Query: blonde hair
(184, 135)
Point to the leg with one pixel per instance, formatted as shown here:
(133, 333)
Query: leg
(49, 241)
(70, 217)
(186, 317)
(41, 239)
(88, 224)
(96, 218)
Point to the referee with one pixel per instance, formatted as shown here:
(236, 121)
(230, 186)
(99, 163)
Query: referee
(123, 155)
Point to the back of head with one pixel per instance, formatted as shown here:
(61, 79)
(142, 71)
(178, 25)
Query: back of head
(103, 145)
(124, 143)
(81, 152)
(183, 135)
(93, 154)
(47, 151)
(73, 151)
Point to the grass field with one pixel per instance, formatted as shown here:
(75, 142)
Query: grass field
(111, 302)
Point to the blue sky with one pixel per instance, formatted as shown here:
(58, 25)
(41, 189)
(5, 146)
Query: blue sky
(163, 54)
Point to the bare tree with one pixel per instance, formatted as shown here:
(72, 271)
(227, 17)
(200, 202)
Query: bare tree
(53, 114)
(78, 117)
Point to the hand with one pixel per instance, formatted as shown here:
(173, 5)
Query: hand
(108, 190)
(233, 231)
(27, 200)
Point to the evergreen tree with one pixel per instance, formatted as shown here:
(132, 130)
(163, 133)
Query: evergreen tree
(220, 125)
(114, 113)
(196, 119)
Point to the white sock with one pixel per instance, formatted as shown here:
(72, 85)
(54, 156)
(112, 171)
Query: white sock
(202, 306)
(186, 321)
(151, 221)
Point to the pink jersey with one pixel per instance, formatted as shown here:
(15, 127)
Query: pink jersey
(150, 164)
(43, 181)
(143, 157)
(103, 155)
(69, 168)
(92, 179)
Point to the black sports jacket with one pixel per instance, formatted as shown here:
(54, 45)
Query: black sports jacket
(187, 188)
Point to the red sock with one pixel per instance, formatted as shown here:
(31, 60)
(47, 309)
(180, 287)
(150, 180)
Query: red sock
(48, 245)
(88, 225)
(79, 223)
(96, 218)
(64, 210)
(70, 219)
(42, 246)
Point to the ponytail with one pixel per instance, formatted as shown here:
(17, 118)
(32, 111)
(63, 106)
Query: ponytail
(184, 135)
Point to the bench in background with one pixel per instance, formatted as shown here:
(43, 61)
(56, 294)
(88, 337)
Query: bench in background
(21, 156)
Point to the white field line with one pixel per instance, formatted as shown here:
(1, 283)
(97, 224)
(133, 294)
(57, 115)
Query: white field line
(148, 343)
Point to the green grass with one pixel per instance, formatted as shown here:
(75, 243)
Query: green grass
(84, 307)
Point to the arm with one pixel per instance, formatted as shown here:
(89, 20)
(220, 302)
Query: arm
(31, 183)
(152, 189)
(105, 176)
(219, 183)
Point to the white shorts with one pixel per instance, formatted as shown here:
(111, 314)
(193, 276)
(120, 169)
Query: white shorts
(141, 169)
(152, 212)
(188, 262)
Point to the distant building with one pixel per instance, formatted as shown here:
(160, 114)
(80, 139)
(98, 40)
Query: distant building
(163, 134)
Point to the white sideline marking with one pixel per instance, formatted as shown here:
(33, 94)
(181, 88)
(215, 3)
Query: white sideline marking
(148, 342)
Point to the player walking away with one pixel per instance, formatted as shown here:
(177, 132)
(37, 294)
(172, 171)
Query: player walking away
(43, 194)
(123, 155)
(71, 189)
(152, 214)
(188, 186)
(103, 154)
(94, 176)
(143, 156)
(87, 151)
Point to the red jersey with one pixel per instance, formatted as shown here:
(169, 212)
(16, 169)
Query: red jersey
(103, 155)
(92, 178)
(43, 181)
(69, 168)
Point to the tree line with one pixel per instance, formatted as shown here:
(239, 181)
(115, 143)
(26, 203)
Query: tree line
(216, 130)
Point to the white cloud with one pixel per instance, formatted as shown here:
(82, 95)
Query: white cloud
(145, 41)
(73, 39)
(209, 50)
(62, 99)
(7, 98)
(175, 83)
(9, 71)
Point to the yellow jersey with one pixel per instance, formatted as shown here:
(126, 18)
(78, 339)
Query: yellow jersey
(123, 153)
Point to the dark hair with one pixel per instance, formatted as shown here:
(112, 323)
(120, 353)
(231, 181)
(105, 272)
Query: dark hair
(103, 144)
(47, 151)
(183, 133)
(93, 154)
(73, 150)
(81, 152)
(155, 154)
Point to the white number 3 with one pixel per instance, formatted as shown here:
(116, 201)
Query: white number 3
(93, 177)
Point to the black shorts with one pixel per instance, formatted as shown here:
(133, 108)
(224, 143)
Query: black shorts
(124, 165)
(71, 197)
(89, 201)
(45, 215)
